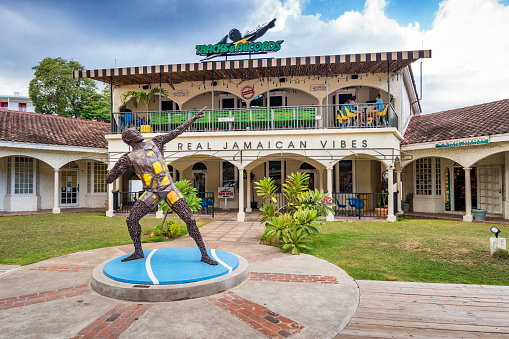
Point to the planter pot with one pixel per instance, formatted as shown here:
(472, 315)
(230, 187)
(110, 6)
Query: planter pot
(107, 206)
(479, 214)
(381, 212)
(405, 207)
(254, 204)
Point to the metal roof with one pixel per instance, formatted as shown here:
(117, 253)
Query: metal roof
(381, 62)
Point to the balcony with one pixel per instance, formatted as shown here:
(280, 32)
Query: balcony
(363, 115)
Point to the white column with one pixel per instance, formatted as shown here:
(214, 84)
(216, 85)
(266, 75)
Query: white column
(241, 216)
(248, 195)
(109, 212)
(337, 177)
(400, 190)
(330, 216)
(468, 196)
(390, 186)
(506, 186)
(321, 180)
(56, 191)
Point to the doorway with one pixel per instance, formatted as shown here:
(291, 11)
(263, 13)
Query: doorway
(199, 181)
(69, 188)
(489, 190)
(459, 188)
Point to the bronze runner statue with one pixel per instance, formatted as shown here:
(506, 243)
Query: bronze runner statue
(147, 160)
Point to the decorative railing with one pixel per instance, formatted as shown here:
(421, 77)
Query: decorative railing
(362, 115)
(362, 204)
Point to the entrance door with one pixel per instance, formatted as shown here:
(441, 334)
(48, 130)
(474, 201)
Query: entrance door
(459, 188)
(489, 190)
(199, 181)
(69, 188)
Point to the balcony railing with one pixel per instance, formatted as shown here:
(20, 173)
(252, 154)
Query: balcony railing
(362, 115)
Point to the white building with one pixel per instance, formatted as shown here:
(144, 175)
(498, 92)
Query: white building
(272, 117)
(16, 102)
(46, 162)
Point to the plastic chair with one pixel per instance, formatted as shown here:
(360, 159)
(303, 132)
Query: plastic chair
(340, 205)
(382, 116)
(358, 204)
(342, 119)
(351, 116)
(126, 120)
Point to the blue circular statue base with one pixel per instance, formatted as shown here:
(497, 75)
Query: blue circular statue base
(168, 266)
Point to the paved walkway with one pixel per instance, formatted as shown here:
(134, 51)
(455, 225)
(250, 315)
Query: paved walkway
(285, 297)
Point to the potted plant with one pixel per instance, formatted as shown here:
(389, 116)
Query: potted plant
(381, 210)
(407, 203)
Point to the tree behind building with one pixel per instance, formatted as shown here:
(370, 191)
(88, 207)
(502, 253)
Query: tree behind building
(53, 90)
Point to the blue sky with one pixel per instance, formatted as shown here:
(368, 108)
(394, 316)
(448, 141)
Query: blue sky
(464, 36)
(403, 11)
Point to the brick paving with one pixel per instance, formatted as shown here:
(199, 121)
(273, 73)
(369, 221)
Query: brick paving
(114, 322)
(64, 268)
(298, 278)
(260, 317)
(37, 298)
(232, 231)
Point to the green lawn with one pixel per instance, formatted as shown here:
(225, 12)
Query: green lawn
(32, 238)
(413, 250)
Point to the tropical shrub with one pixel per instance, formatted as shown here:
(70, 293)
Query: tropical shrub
(168, 229)
(189, 193)
(288, 226)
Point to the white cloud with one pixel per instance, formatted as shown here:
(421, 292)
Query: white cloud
(470, 52)
(466, 37)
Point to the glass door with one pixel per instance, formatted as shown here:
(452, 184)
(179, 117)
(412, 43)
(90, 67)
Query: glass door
(489, 190)
(69, 188)
(199, 182)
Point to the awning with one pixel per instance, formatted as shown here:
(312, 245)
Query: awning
(381, 62)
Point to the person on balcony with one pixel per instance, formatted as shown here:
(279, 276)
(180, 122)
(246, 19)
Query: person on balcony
(349, 108)
(147, 160)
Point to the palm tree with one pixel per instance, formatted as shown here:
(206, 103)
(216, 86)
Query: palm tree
(141, 95)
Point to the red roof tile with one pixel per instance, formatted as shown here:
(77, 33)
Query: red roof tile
(53, 130)
(473, 121)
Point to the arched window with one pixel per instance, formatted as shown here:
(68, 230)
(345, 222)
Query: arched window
(306, 166)
(199, 166)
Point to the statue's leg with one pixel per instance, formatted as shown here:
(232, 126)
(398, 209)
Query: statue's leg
(181, 208)
(139, 210)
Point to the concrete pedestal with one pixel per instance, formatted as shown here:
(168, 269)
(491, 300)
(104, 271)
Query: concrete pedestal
(175, 274)
(496, 243)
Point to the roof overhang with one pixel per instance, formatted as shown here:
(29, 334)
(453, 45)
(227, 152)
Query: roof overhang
(381, 62)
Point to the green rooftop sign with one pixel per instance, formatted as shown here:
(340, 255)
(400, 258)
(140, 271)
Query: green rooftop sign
(241, 44)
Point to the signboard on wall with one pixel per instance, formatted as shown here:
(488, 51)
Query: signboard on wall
(463, 142)
(181, 93)
(226, 192)
(447, 175)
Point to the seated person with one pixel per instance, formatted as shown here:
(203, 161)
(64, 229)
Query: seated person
(379, 103)
(379, 107)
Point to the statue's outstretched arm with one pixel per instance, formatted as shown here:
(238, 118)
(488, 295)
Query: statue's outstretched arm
(122, 165)
(165, 138)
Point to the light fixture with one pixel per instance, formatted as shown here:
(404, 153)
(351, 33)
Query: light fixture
(495, 231)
